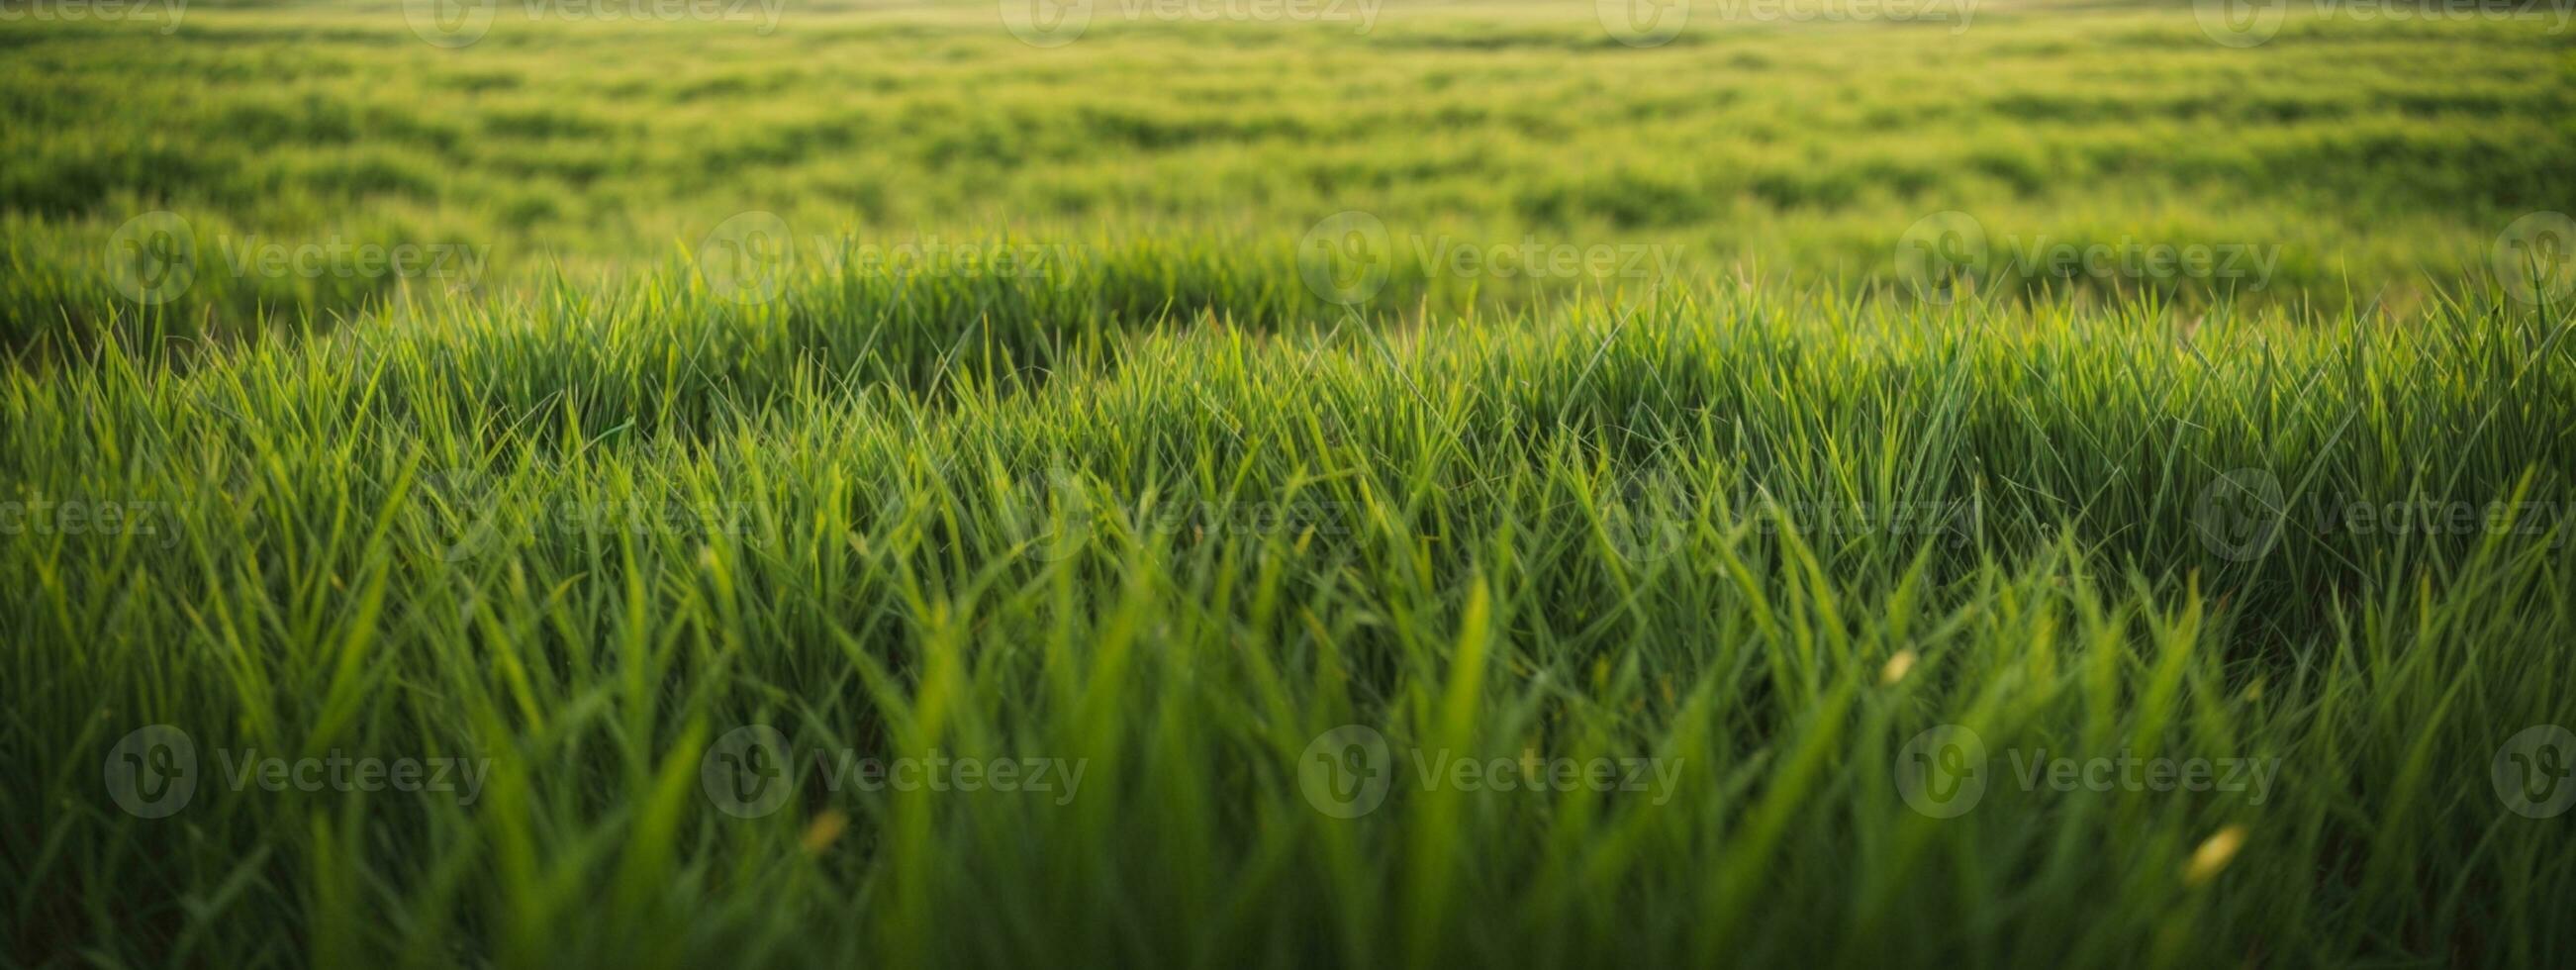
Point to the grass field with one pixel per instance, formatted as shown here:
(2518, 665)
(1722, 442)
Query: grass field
(1433, 484)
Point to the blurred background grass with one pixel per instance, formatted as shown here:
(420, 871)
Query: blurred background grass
(2377, 157)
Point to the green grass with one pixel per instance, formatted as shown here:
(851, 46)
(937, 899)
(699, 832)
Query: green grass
(1172, 516)
(2377, 161)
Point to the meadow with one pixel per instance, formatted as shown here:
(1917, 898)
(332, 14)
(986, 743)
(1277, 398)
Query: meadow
(1454, 483)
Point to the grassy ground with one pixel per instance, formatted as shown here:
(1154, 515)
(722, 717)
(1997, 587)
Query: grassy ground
(1244, 588)
(2357, 160)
